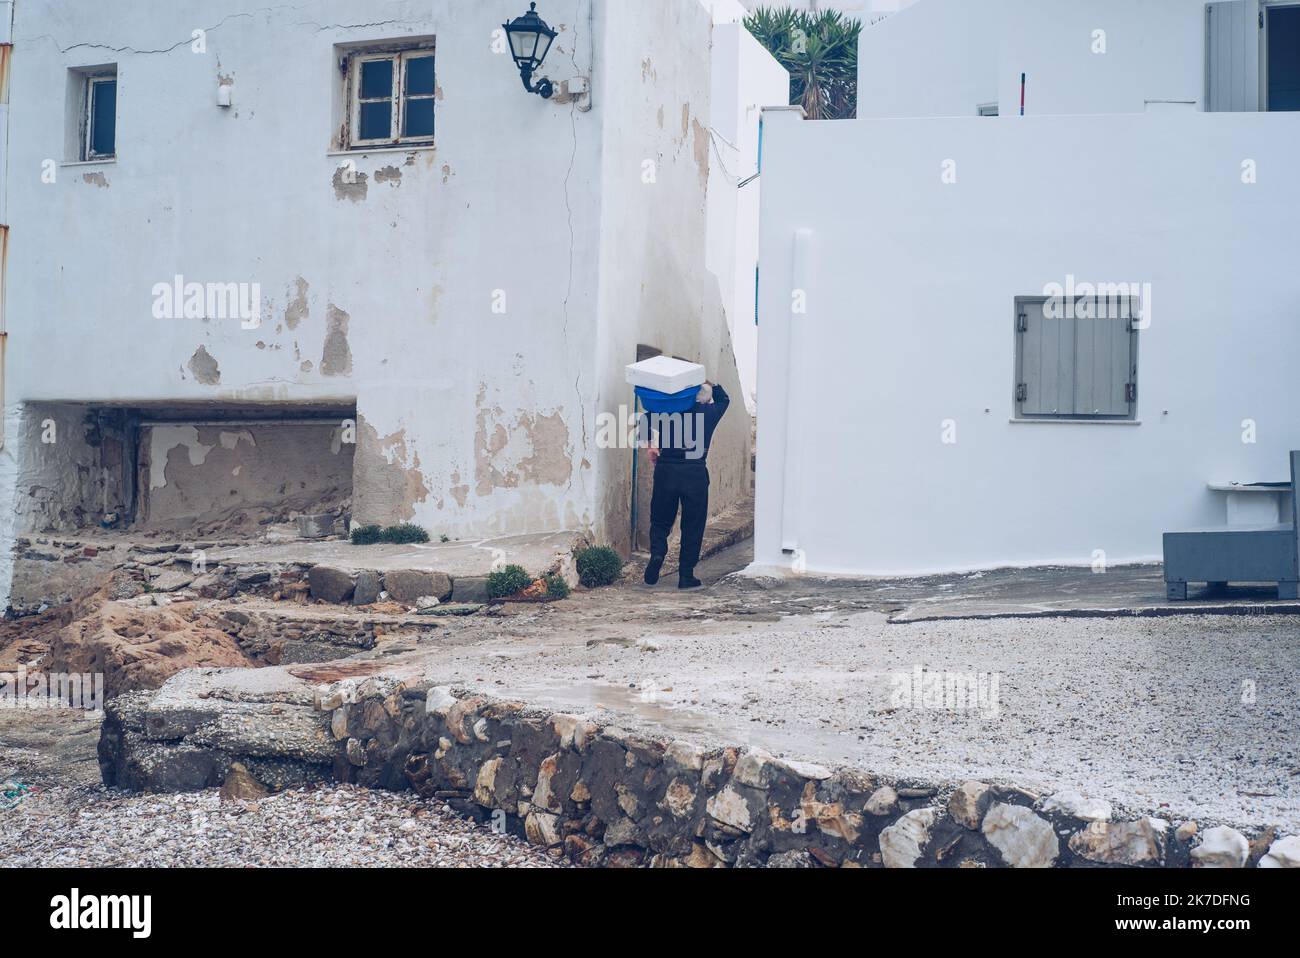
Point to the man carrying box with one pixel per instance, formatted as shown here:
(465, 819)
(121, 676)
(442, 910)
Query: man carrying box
(680, 453)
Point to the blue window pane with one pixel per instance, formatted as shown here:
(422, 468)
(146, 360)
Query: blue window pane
(419, 118)
(103, 118)
(419, 76)
(376, 79)
(376, 121)
(1284, 58)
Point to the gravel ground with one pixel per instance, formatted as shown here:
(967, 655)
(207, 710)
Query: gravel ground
(1151, 714)
(314, 827)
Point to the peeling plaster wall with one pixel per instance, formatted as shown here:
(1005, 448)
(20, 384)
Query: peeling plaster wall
(474, 404)
(71, 468)
(8, 499)
(379, 292)
(60, 486)
(240, 473)
(477, 301)
(655, 287)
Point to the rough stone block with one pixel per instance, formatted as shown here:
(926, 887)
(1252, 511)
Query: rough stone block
(368, 586)
(330, 585)
(315, 526)
(469, 588)
(407, 586)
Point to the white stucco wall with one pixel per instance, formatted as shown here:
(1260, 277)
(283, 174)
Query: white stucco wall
(746, 78)
(911, 287)
(947, 57)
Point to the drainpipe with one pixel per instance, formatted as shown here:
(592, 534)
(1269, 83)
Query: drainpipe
(4, 335)
(6, 59)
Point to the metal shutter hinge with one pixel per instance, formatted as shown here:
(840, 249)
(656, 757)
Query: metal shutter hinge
(1022, 392)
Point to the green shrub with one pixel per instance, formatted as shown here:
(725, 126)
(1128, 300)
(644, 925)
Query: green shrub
(507, 581)
(367, 535)
(599, 565)
(405, 534)
(556, 587)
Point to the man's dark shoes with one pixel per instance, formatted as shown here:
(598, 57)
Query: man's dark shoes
(652, 570)
(688, 582)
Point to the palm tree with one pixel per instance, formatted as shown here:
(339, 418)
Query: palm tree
(821, 52)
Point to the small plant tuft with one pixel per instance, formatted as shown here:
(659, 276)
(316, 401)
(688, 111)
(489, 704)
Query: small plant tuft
(556, 586)
(599, 565)
(367, 535)
(507, 582)
(405, 534)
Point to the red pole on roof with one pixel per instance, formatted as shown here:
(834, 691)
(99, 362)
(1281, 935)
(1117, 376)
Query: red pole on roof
(1022, 94)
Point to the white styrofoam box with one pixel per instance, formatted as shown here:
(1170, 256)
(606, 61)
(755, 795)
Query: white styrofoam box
(665, 374)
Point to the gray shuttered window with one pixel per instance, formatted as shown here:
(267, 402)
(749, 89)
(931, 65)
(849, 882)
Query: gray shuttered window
(1078, 362)
(1232, 29)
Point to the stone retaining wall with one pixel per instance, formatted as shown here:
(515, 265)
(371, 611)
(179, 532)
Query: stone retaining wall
(601, 795)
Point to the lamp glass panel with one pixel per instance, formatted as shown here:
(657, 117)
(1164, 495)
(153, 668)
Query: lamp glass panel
(524, 43)
(543, 46)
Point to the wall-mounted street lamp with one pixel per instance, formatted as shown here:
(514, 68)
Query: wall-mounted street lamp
(530, 41)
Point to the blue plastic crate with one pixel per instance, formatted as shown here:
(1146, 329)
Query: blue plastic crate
(654, 401)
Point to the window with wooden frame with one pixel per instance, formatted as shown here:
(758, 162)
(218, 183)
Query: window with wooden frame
(99, 117)
(391, 96)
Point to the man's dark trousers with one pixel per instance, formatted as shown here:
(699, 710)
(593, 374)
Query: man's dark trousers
(683, 482)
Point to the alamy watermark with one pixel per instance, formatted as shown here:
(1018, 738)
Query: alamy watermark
(187, 300)
(55, 690)
(628, 429)
(945, 691)
(74, 911)
(1075, 300)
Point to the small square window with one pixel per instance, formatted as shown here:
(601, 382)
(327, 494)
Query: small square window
(99, 117)
(391, 94)
(1076, 356)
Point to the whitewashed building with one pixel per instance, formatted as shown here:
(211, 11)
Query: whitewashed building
(920, 410)
(241, 237)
